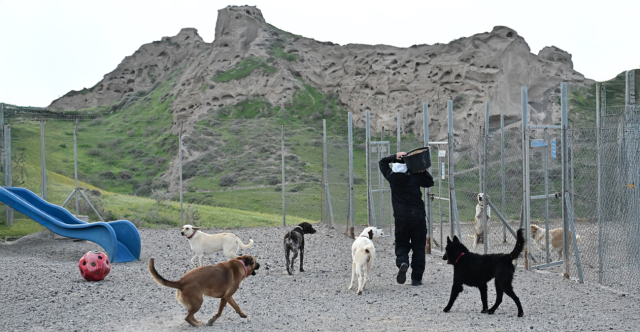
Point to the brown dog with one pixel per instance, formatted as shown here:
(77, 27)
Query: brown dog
(221, 281)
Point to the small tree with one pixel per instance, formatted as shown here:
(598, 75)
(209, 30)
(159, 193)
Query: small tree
(191, 215)
(160, 195)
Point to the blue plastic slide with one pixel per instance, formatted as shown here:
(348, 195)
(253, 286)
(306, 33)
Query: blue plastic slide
(119, 238)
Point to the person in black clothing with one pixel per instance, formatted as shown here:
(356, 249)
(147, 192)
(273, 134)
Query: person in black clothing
(409, 215)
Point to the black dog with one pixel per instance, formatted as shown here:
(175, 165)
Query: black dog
(294, 241)
(477, 270)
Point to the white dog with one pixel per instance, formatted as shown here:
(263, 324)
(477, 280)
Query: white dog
(477, 228)
(206, 244)
(363, 252)
(539, 237)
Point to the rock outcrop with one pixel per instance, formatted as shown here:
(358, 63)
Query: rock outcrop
(486, 67)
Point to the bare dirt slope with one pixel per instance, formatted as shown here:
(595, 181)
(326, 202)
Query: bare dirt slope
(41, 290)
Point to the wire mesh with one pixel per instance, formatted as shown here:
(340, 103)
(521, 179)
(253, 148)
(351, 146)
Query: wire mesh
(237, 163)
(381, 213)
(504, 187)
(338, 181)
(440, 194)
(619, 230)
(232, 163)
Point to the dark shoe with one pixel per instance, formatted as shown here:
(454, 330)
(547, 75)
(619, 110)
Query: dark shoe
(416, 283)
(402, 274)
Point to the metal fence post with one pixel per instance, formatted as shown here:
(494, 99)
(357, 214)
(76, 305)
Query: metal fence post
(525, 172)
(368, 164)
(545, 159)
(480, 160)
(351, 196)
(427, 191)
(599, 193)
(327, 196)
(180, 161)
(502, 172)
(43, 168)
(565, 176)
(450, 152)
(7, 169)
(75, 163)
(484, 180)
(380, 183)
(323, 186)
(284, 210)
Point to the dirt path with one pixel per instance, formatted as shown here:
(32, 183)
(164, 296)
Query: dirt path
(41, 290)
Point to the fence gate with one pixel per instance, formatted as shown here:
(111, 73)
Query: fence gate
(556, 208)
(379, 197)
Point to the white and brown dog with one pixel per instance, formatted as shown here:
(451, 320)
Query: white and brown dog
(363, 253)
(477, 228)
(206, 244)
(538, 235)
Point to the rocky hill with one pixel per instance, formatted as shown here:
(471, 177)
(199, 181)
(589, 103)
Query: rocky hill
(250, 58)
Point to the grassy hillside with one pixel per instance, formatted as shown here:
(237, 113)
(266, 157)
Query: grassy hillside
(582, 100)
(232, 156)
(232, 159)
(143, 212)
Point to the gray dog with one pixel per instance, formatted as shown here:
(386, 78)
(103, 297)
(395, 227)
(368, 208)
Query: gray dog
(294, 241)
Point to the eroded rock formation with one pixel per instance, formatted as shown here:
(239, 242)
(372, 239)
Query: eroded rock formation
(486, 67)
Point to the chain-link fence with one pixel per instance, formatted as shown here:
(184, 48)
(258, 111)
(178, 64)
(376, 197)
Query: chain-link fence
(619, 205)
(132, 170)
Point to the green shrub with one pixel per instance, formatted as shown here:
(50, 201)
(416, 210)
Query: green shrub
(227, 180)
(243, 69)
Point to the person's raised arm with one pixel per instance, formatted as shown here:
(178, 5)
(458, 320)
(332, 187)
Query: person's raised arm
(384, 163)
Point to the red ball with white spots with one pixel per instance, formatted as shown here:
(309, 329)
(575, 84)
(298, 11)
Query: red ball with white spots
(94, 266)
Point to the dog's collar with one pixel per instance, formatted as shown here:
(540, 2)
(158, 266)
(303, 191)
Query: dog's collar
(192, 234)
(457, 259)
(299, 227)
(246, 270)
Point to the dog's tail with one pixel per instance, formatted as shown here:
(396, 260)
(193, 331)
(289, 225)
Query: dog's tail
(517, 250)
(368, 248)
(242, 245)
(159, 279)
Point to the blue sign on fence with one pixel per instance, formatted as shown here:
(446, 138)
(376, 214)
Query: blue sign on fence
(442, 171)
(553, 148)
(538, 142)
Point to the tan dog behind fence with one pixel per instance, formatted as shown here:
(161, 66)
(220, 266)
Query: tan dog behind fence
(538, 235)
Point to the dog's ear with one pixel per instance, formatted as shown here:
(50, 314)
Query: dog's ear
(448, 240)
(455, 239)
(196, 228)
(248, 261)
(370, 234)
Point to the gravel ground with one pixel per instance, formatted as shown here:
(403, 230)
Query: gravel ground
(41, 290)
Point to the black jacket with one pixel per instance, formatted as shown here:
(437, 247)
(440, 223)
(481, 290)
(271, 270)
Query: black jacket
(406, 196)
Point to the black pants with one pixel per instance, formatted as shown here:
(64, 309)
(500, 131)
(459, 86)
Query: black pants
(411, 235)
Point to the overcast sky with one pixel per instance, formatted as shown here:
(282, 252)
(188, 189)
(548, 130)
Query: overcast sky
(50, 47)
